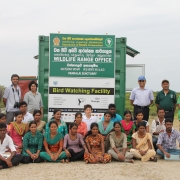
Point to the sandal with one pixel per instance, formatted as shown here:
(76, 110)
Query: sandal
(154, 159)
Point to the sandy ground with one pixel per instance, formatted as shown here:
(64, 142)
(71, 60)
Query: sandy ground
(162, 170)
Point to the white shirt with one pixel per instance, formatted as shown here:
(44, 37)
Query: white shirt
(12, 95)
(6, 142)
(142, 97)
(89, 121)
(157, 126)
(27, 118)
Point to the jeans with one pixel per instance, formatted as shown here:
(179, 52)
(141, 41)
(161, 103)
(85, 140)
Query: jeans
(170, 151)
(154, 139)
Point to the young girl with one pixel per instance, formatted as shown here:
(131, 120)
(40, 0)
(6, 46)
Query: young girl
(139, 117)
(118, 145)
(142, 146)
(17, 131)
(128, 127)
(95, 144)
(3, 120)
(62, 127)
(82, 126)
(106, 126)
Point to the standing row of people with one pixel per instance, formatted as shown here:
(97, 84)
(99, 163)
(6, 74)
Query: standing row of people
(142, 97)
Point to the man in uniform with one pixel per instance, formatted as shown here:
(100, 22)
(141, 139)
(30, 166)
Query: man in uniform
(166, 99)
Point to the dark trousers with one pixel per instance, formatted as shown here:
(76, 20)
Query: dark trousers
(27, 159)
(76, 156)
(154, 139)
(169, 114)
(145, 110)
(15, 161)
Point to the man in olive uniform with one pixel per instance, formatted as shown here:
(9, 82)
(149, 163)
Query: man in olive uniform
(166, 99)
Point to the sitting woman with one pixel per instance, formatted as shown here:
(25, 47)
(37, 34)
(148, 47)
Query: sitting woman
(17, 131)
(37, 118)
(118, 145)
(142, 144)
(139, 117)
(128, 127)
(82, 126)
(62, 127)
(32, 144)
(107, 125)
(53, 143)
(74, 145)
(95, 144)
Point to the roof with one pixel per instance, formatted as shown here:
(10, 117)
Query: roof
(131, 52)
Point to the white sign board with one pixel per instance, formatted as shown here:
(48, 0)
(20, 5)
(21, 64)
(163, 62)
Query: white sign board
(133, 71)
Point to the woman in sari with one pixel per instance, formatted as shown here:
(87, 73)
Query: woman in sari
(118, 145)
(74, 145)
(128, 127)
(142, 144)
(32, 144)
(17, 131)
(62, 127)
(107, 125)
(95, 144)
(82, 126)
(53, 143)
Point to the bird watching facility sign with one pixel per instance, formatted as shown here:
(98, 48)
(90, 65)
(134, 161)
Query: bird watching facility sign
(81, 71)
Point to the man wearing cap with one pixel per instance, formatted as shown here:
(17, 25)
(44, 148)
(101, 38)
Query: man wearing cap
(141, 98)
(166, 99)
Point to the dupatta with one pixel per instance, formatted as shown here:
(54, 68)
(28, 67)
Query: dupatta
(126, 127)
(54, 140)
(147, 137)
(108, 128)
(19, 130)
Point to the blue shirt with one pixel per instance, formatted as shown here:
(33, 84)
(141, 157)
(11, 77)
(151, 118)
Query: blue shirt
(141, 97)
(114, 119)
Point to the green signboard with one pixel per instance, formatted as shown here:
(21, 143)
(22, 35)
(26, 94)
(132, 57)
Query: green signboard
(90, 56)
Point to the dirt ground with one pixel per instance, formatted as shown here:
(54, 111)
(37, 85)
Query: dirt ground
(161, 170)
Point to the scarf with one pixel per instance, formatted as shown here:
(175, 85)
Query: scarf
(127, 127)
(19, 130)
(56, 139)
(147, 137)
(108, 128)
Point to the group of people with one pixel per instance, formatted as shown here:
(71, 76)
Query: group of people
(25, 138)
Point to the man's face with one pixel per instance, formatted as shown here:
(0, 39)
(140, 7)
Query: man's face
(161, 113)
(112, 110)
(23, 108)
(168, 126)
(15, 80)
(165, 85)
(142, 83)
(2, 132)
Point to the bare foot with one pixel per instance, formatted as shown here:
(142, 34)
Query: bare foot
(131, 161)
(1, 167)
(67, 160)
(62, 161)
(86, 162)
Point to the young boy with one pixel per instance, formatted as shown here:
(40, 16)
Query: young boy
(87, 118)
(116, 117)
(2, 118)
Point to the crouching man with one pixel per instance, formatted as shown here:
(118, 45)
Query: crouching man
(7, 159)
(167, 140)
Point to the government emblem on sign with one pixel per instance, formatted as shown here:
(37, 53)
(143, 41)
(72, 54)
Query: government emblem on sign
(56, 41)
(109, 42)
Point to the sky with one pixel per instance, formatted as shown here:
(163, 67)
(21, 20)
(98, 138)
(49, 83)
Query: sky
(151, 27)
